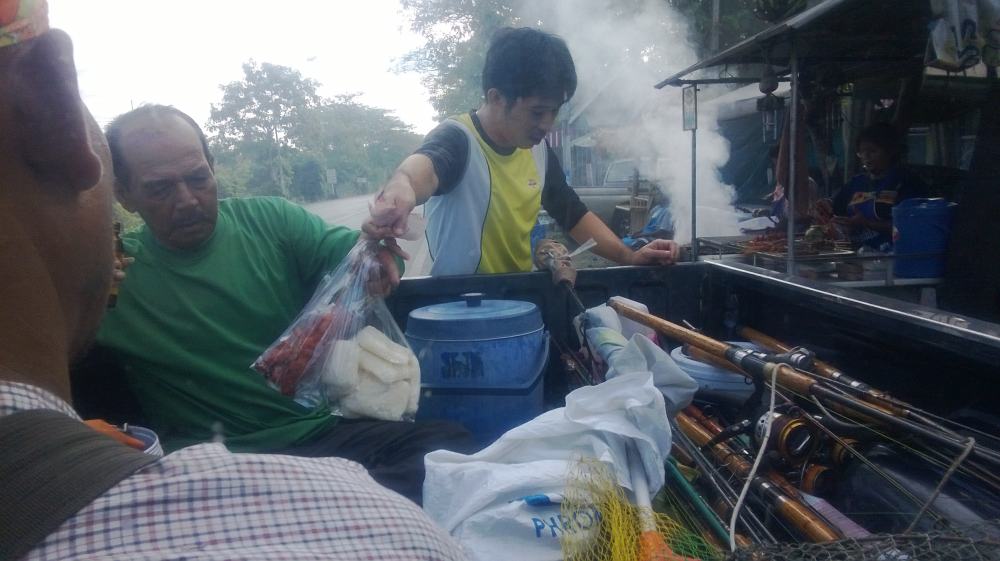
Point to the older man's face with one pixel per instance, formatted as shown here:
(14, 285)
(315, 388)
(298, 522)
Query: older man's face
(171, 184)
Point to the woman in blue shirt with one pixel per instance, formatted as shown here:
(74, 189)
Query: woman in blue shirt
(864, 206)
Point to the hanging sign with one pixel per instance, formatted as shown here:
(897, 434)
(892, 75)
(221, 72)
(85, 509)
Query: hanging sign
(689, 104)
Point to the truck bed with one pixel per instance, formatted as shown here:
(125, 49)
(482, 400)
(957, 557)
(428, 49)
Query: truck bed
(938, 361)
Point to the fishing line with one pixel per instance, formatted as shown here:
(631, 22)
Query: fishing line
(958, 425)
(911, 412)
(757, 529)
(968, 468)
(971, 443)
(931, 456)
(892, 481)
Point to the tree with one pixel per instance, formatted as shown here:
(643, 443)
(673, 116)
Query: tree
(232, 172)
(274, 135)
(309, 178)
(736, 22)
(357, 140)
(260, 113)
(457, 34)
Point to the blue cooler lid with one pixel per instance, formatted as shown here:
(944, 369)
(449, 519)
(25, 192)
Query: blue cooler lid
(474, 319)
(922, 206)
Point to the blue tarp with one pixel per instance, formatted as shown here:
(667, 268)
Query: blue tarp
(748, 162)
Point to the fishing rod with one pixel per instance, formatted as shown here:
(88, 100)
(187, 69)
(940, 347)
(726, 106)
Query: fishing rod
(751, 522)
(704, 356)
(554, 257)
(790, 509)
(844, 448)
(822, 368)
(837, 519)
(791, 438)
(798, 382)
(935, 457)
(705, 515)
(828, 371)
(971, 468)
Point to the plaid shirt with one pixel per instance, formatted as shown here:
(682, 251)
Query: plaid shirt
(204, 502)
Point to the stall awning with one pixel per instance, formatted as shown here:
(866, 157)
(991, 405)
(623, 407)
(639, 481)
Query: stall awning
(863, 37)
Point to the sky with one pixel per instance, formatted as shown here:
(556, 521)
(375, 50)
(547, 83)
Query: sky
(178, 52)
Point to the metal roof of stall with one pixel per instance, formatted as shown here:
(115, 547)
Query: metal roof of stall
(845, 39)
(863, 38)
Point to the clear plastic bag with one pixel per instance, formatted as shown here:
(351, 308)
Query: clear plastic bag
(345, 349)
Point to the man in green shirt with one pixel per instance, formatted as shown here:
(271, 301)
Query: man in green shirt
(214, 283)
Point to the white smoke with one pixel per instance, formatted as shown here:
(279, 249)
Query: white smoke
(619, 57)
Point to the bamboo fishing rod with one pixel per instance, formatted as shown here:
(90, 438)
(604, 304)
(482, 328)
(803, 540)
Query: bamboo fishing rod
(706, 357)
(830, 372)
(800, 516)
(824, 369)
(716, 429)
(827, 512)
(797, 382)
(751, 522)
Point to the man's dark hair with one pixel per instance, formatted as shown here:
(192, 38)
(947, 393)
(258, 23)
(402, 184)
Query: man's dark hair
(884, 135)
(526, 62)
(152, 111)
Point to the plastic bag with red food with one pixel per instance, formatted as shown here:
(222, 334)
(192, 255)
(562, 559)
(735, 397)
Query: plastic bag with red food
(344, 349)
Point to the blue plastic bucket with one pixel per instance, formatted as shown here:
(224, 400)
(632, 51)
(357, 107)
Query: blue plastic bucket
(481, 363)
(921, 226)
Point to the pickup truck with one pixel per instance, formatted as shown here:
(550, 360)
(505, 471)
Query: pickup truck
(610, 200)
(902, 348)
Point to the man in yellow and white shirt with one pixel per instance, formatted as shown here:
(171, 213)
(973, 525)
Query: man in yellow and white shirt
(485, 176)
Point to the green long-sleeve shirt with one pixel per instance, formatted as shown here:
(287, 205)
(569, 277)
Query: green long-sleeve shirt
(188, 325)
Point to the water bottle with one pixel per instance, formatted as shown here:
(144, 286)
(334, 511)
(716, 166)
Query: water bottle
(540, 231)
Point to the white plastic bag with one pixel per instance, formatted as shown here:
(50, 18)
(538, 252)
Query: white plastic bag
(955, 41)
(479, 499)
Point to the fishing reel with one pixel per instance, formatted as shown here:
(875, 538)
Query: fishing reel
(791, 442)
(818, 480)
(792, 438)
(840, 452)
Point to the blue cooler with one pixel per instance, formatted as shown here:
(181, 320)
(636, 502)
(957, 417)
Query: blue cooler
(921, 226)
(481, 363)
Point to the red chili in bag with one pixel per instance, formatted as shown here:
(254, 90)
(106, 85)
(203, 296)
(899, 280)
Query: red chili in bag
(287, 361)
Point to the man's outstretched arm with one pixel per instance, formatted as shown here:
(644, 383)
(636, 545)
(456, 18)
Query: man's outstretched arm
(609, 246)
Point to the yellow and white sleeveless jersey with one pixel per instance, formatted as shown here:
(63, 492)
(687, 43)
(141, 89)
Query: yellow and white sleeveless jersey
(483, 224)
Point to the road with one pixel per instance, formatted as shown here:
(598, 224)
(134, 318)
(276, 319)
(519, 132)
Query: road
(352, 211)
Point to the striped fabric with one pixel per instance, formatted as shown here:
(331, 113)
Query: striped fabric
(204, 502)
